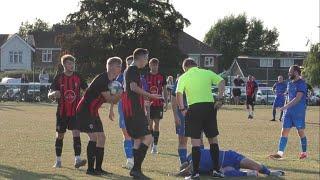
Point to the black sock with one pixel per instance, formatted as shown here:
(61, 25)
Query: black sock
(59, 145)
(274, 113)
(77, 146)
(155, 135)
(135, 159)
(196, 154)
(281, 115)
(139, 155)
(91, 153)
(99, 157)
(214, 152)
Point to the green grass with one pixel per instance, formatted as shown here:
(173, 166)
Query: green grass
(27, 135)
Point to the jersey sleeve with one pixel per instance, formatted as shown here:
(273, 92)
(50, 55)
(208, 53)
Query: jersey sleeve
(302, 87)
(215, 79)
(55, 84)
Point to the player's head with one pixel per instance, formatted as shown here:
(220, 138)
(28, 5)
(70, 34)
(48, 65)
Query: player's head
(250, 78)
(129, 60)
(294, 72)
(280, 79)
(188, 63)
(238, 76)
(114, 65)
(154, 65)
(67, 62)
(140, 57)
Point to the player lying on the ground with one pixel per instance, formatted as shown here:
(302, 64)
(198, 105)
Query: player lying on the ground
(230, 162)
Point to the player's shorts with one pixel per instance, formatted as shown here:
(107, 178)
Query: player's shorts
(87, 122)
(64, 123)
(250, 101)
(122, 124)
(279, 101)
(236, 92)
(137, 125)
(201, 117)
(231, 158)
(156, 112)
(294, 119)
(180, 129)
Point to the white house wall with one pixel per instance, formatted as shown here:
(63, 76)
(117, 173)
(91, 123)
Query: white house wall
(15, 44)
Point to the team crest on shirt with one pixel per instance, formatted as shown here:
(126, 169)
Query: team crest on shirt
(69, 96)
(154, 90)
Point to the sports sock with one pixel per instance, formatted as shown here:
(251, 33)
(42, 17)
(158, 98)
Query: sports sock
(274, 113)
(127, 146)
(282, 143)
(214, 152)
(59, 145)
(91, 153)
(264, 170)
(303, 142)
(196, 154)
(77, 146)
(99, 157)
(155, 135)
(182, 155)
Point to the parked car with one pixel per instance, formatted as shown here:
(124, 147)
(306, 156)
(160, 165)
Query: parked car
(265, 97)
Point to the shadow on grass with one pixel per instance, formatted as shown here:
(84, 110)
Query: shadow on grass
(110, 176)
(9, 107)
(9, 172)
(168, 154)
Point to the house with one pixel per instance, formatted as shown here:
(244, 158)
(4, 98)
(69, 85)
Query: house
(47, 49)
(266, 69)
(205, 56)
(15, 53)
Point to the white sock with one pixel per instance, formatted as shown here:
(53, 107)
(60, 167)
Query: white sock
(58, 158)
(280, 153)
(77, 158)
(130, 160)
(251, 113)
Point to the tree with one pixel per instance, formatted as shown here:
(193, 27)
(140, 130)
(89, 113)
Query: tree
(105, 28)
(38, 25)
(233, 36)
(312, 65)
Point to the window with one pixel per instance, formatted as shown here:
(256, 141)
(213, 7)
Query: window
(208, 62)
(266, 62)
(15, 57)
(286, 62)
(46, 55)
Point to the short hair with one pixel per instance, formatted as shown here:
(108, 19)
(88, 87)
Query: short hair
(154, 61)
(67, 57)
(139, 52)
(296, 68)
(129, 58)
(114, 60)
(189, 62)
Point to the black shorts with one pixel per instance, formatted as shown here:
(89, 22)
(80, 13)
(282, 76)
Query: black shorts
(250, 101)
(236, 92)
(156, 112)
(88, 123)
(64, 123)
(201, 117)
(137, 125)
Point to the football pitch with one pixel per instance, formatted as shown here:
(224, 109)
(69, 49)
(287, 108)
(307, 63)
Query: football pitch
(27, 136)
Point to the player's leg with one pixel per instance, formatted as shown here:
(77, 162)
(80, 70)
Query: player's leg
(282, 144)
(247, 163)
(128, 149)
(101, 139)
(155, 135)
(232, 172)
(61, 128)
(182, 145)
(303, 142)
(91, 152)
(78, 162)
(274, 111)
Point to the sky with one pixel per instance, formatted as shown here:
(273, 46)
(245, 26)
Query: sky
(296, 20)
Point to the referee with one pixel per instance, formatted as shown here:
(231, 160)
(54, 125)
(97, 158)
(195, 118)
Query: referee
(201, 116)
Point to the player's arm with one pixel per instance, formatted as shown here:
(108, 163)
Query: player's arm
(165, 95)
(293, 102)
(135, 88)
(174, 108)
(111, 112)
(111, 98)
(54, 92)
(274, 89)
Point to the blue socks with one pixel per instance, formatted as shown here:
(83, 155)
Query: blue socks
(264, 170)
(182, 155)
(127, 146)
(303, 142)
(282, 143)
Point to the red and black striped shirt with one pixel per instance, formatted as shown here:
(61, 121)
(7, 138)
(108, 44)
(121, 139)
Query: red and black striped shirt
(93, 99)
(69, 87)
(156, 85)
(132, 103)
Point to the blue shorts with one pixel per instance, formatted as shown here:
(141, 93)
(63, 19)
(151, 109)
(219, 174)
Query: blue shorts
(279, 101)
(180, 128)
(231, 158)
(122, 124)
(296, 119)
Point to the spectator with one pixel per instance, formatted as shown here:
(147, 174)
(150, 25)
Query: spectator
(236, 92)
